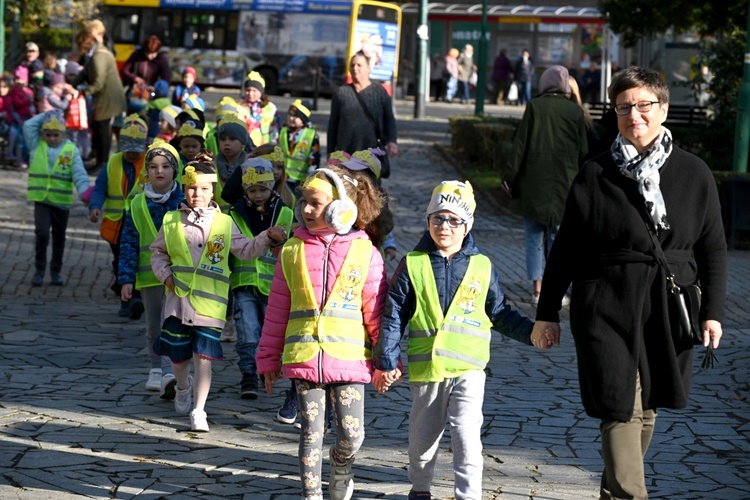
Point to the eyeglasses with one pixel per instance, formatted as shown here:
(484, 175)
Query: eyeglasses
(453, 222)
(640, 106)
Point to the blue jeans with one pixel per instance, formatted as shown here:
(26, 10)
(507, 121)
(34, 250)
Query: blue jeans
(539, 239)
(524, 92)
(451, 88)
(465, 93)
(249, 314)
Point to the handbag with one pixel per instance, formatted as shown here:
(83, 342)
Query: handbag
(683, 307)
(513, 92)
(385, 162)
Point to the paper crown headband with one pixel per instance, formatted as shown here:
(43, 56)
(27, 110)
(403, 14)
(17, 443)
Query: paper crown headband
(230, 117)
(277, 156)
(187, 129)
(315, 182)
(301, 107)
(134, 127)
(190, 177)
(252, 177)
(55, 124)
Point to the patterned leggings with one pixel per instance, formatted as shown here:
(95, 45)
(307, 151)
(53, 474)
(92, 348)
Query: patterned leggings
(348, 402)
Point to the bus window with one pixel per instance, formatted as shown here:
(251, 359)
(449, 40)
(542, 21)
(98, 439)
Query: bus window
(213, 30)
(125, 27)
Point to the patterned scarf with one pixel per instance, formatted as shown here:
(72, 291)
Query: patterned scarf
(148, 191)
(644, 169)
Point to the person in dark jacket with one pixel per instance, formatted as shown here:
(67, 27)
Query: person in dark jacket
(146, 65)
(438, 76)
(502, 75)
(352, 128)
(549, 145)
(628, 363)
(524, 75)
(449, 296)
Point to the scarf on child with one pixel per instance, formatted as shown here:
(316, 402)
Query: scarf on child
(644, 169)
(148, 191)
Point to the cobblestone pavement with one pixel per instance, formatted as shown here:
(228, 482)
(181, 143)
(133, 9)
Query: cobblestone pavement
(75, 420)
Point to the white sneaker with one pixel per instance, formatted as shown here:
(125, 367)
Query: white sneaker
(168, 384)
(228, 333)
(198, 422)
(184, 397)
(154, 380)
(341, 483)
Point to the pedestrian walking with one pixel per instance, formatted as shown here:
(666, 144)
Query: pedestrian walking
(465, 69)
(330, 285)
(451, 66)
(55, 167)
(450, 296)
(260, 111)
(300, 144)
(524, 76)
(502, 75)
(160, 195)
(190, 255)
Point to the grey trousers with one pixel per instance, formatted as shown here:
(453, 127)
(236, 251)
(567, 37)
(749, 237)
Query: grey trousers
(459, 401)
(624, 445)
(153, 311)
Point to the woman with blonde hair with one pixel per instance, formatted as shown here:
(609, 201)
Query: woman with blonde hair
(592, 136)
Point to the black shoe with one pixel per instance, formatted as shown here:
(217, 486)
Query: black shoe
(124, 311)
(249, 386)
(135, 309)
(37, 280)
(56, 280)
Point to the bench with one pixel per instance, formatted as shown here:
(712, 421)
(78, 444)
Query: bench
(679, 114)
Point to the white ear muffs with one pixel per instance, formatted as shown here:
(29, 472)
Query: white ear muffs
(341, 214)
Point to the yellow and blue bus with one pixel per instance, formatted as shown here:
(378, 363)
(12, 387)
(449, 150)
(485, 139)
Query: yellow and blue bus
(284, 40)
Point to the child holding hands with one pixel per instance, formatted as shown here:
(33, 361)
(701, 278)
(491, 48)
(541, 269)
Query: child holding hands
(449, 295)
(190, 255)
(323, 317)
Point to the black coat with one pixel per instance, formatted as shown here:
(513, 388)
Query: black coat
(618, 305)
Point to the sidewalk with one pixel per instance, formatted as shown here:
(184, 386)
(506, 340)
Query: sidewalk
(75, 421)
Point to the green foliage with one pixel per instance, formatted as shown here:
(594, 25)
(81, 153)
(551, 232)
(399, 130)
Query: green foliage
(484, 142)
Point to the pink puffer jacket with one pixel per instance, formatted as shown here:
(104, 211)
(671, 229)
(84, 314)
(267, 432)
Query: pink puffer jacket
(324, 263)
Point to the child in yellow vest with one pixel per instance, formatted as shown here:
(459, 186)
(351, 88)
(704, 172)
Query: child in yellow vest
(233, 140)
(300, 144)
(123, 176)
(54, 168)
(258, 210)
(450, 296)
(189, 141)
(260, 111)
(190, 255)
(330, 287)
(160, 195)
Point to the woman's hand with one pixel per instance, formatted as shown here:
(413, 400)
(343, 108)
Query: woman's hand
(711, 333)
(270, 378)
(392, 149)
(545, 335)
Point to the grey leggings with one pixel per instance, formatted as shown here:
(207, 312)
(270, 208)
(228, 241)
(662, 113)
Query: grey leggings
(348, 403)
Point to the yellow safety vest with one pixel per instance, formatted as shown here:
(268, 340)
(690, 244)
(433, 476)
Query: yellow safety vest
(144, 275)
(212, 142)
(446, 347)
(224, 205)
(55, 186)
(207, 283)
(262, 135)
(339, 328)
(297, 163)
(114, 204)
(259, 271)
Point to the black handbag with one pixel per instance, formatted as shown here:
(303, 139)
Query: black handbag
(385, 162)
(683, 308)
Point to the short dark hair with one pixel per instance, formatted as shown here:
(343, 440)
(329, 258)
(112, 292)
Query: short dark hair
(85, 41)
(360, 53)
(152, 44)
(637, 77)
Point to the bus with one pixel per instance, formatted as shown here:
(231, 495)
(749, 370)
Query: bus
(286, 41)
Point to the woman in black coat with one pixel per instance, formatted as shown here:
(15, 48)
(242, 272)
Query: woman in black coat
(628, 363)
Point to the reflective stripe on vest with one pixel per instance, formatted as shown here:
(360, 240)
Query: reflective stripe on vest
(55, 186)
(114, 204)
(207, 283)
(445, 347)
(259, 271)
(144, 275)
(339, 330)
(297, 163)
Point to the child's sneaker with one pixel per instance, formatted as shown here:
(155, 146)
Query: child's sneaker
(198, 422)
(154, 380)
(184, 397)
(419, 495)
(288, 412)
(228, 333)
(168, 384)
(341, 483)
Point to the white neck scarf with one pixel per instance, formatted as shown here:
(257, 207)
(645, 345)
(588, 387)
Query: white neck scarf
(152, 195)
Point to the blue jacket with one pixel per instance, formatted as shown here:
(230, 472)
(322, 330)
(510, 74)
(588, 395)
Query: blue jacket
(448, 274)
(99, 194)
(130, 239)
